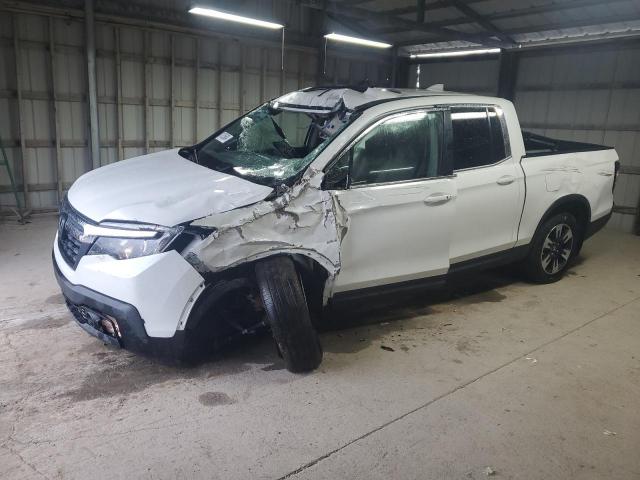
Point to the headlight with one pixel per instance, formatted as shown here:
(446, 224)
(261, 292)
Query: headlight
(122, 243)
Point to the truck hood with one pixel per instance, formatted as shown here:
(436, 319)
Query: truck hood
(160, 188)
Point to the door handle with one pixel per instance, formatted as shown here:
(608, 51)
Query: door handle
(506, 180)
(605, 174)
(438, 198)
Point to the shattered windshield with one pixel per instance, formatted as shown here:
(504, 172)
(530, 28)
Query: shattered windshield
(271, 146)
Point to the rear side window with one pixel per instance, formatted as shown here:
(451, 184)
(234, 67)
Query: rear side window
(478, 137)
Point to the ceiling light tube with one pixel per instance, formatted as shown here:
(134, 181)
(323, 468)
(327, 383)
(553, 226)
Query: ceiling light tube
(358, 41)
(456, 53)
(210, 12)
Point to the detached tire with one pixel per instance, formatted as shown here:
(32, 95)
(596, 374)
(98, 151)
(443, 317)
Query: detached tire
(554, 245)
(288, 315)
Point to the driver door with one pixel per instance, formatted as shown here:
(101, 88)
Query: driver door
(399, 205)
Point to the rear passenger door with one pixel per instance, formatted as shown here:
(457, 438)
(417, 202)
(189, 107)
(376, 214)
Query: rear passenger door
(489, 182)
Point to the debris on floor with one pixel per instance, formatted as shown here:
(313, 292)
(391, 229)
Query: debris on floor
(388, 349)
(532, 360)
(609, 433)
(489, 471)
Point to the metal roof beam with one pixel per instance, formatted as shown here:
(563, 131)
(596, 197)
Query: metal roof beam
(513, 13)
(421, 11)
(349, 23)
(429, 6)
(551, 26)
(480, 20)
(441, 34)
(589, 22)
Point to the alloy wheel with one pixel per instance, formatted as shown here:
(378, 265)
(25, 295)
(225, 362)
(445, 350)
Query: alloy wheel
(556, 249)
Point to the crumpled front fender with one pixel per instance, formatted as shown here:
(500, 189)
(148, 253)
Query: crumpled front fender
(305, 220)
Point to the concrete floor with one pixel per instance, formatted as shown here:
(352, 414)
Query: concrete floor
(533, 382)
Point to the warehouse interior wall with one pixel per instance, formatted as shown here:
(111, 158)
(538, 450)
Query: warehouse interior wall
(586, 93)
(159, 88)
(156, 89)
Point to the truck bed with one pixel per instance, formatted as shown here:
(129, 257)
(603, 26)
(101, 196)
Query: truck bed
(538, 145)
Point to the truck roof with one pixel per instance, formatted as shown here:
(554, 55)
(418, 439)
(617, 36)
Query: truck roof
(326, 99)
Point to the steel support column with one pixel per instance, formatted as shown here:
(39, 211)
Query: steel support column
(219, 84)
(172, 95)
(21, 126)
(508, 75)
(54, 108)
(90, 35)
(118, 78)
(196, 88)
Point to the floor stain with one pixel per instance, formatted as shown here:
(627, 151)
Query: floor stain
(55, 299)
(491, 296)
(133, 376)
(45, 323)
(466, 346)
(214, 399)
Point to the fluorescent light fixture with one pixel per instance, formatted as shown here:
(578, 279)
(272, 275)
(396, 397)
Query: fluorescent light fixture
(358, 41)
(210, 12)
(456, 53)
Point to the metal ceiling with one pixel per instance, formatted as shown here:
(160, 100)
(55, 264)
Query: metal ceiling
(412, 25)
(426, 25)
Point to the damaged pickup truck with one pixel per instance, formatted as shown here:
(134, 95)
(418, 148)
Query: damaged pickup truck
(321, 195)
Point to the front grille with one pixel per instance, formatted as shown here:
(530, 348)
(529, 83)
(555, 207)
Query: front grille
(72, 242)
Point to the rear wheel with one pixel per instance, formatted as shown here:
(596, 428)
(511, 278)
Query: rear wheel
(288, 315)
(556, 242)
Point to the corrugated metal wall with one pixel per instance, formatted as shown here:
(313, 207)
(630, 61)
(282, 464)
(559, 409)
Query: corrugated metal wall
(155, 90)
(589, 95)
(476, 75)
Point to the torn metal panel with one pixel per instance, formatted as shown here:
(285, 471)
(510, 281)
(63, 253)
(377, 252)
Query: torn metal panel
(318, 100)
(305, 220)
(325, 100)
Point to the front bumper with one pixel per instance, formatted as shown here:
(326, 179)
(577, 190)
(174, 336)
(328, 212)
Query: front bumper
(90, 307)
(161, 287)
(150, 298)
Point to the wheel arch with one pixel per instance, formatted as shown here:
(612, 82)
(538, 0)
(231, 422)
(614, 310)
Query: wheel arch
(575, 204)
(313, 269)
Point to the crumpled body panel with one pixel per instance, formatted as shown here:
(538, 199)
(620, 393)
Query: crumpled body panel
(305, 220)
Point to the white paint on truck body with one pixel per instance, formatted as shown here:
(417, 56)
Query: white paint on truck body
(549, 178)
(161, 188)
(362, 237)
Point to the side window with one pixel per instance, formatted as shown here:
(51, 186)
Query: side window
(499, 148)
(404, 147)
(478, 138)
(337, 177)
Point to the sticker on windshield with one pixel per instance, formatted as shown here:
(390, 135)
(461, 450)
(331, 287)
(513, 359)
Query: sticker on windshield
(224, 137)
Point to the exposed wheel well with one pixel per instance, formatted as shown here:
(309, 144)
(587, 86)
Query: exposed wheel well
(242, 277)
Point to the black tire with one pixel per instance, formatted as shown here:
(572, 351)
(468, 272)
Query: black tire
(288, 315)
(551, 253)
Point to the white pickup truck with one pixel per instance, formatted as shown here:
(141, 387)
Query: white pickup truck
(323, 194)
